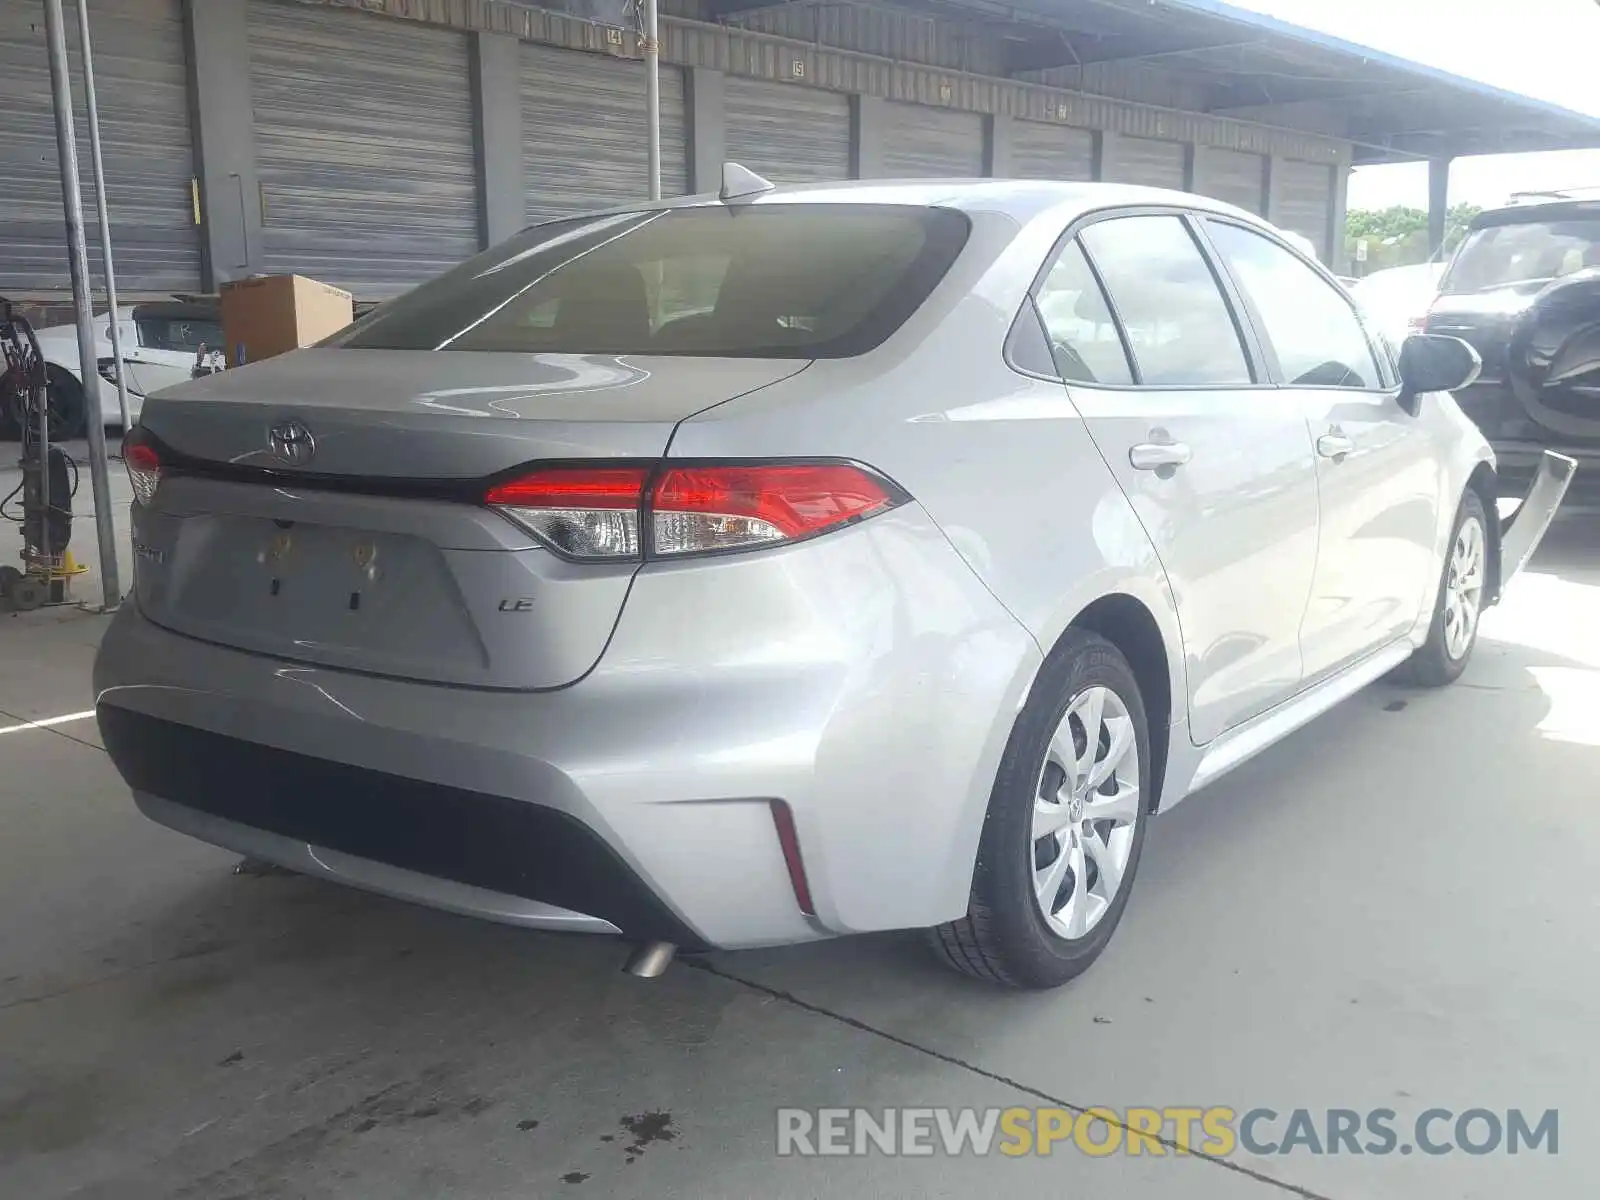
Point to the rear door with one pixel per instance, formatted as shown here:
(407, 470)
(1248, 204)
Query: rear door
(1217, 463)
(1378, 478)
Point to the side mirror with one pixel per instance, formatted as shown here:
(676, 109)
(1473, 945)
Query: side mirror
(1430, 363)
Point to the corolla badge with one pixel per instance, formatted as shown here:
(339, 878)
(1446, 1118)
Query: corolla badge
(291, 442)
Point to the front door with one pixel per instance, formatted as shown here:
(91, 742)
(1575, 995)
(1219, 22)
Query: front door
(1378, 479)
(1217, 463)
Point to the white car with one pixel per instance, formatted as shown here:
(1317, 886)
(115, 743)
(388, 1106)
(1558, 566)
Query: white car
(159, 345)
(804, 562)
(1396, 300)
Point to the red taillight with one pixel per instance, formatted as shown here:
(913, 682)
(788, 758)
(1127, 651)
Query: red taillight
(584, 512)
(695, 509)
(593, 512)
(572, 487)
(143, 465)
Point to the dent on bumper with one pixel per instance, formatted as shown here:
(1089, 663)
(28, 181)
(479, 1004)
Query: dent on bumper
(1522, 531)
(867, 679)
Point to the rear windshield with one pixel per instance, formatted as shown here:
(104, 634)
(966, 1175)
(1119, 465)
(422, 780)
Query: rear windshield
(752, 281)
(1531, 252)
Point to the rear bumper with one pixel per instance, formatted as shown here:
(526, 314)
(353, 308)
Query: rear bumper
(1518, 464)
(1522, 531)
(491, 844)
(866, 680)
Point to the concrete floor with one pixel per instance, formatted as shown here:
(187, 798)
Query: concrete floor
(1395, 909)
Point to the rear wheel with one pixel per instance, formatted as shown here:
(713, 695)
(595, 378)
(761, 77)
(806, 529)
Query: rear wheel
(1454, 631)
(64, 395)
(1065, 826)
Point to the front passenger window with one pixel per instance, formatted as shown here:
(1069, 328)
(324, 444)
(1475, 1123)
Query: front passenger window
(1310, 325)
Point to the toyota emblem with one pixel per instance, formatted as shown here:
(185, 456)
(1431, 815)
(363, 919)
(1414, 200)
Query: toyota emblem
(291, 442)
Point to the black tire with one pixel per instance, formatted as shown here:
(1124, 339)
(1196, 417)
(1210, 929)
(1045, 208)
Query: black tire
(67, 405)
(1433, 665)
(1004, 937)
(26, 594)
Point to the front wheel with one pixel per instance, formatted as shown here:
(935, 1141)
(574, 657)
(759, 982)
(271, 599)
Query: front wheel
(1065, 826)
(1453, 634)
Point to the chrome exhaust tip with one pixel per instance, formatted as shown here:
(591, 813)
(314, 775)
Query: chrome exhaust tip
(650, 960)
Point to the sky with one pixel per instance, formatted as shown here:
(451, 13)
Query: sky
(1549, 49)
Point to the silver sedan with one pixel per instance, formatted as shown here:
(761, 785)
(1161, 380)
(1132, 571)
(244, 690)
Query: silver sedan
(763, 567)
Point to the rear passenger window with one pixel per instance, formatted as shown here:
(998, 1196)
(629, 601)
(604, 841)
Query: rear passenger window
(1083, 337)
(1311, 326)
(1177, 321)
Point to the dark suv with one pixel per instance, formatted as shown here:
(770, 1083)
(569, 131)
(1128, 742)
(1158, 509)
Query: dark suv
(1524, 289)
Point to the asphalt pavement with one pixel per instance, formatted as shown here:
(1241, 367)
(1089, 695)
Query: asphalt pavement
(1395, 909)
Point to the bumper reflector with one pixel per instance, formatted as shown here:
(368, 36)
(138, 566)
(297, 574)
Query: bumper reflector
(789, 840)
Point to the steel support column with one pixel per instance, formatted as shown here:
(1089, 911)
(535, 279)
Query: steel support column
(103, 212)
(78, 263)
(497, 84)
(708, 128)
(225, 143)
(1438, 203)
(652, 94)
(998, 132)
(1339, 253)
(868, 116)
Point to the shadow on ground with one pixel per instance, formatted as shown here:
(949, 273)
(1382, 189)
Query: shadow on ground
(1383, 911)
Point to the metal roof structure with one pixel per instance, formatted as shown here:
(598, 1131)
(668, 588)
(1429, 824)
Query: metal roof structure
(1260, 68)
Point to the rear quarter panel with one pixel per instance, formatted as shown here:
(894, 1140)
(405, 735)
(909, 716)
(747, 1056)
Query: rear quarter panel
(1002, 462)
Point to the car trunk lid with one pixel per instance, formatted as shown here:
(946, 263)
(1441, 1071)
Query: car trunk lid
(373, 551)
(426, 416)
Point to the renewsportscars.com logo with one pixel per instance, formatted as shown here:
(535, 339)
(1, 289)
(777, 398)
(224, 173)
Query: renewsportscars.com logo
(1217, 1132)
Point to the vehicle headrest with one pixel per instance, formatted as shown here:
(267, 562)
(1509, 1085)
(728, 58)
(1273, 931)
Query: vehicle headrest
(606, 304)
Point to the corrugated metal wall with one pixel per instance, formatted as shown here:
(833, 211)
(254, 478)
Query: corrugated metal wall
(583, 132)
(1142, 83)
(787, 132)
(1145, 161)
(364, 125)
(1044, 151)
(888, 32)
(923, 142)
(142, 89)
(364, 145)
(899, 70)
(1305, 203)
(1231, 175)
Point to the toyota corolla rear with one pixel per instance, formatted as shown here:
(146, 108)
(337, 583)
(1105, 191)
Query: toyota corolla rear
(434, 609)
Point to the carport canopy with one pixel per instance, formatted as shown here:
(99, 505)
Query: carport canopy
(1258, 68)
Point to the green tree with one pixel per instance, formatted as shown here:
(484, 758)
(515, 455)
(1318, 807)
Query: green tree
(1398, 236)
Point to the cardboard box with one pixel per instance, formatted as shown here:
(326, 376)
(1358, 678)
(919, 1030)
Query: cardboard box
(273, 314)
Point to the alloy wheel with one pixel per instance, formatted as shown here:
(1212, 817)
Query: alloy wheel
(1463, 589)
(1086, 810)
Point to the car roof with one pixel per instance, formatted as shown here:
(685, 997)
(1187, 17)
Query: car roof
(1020, 199)
(1528, 211)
